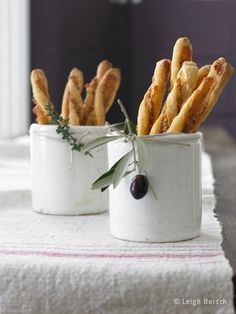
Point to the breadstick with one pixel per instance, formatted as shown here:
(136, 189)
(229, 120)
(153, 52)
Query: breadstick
(40, 95)
(89, 112)
(73, 115)
(99, 107)
(181, 90)
(182, 52)
(75, 86)
(105, 93)
(195, 110)
(65, 103)
(143, 125)
(192, 108)
(202, 72)
(150, 106)
(41, 118)
(221, 72)
(76, 75)
(111, 83)
(102, 68)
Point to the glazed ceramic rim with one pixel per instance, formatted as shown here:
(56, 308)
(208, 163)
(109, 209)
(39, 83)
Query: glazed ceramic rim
(45, 129)
(78, 129)
(165, 138)
(173, 136)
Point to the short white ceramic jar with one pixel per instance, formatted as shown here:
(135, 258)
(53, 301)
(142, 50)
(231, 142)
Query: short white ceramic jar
(174, 174)
(61, 178)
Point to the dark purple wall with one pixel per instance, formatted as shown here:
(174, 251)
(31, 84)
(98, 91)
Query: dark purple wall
(83, 32)
(80, 33)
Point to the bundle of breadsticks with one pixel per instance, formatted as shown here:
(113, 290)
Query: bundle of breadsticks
(192, 94)
(100, 95)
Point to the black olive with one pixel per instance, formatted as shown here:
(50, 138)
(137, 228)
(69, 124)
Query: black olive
(139, 186)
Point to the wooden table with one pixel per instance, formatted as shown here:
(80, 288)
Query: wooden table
(222, 148)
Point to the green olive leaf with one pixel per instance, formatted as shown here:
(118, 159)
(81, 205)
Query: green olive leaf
(98, 142)
(121, 168)
(106, 187)
(105, 180)
(143, 157)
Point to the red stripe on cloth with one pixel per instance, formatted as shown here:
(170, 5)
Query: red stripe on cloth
(109, 255)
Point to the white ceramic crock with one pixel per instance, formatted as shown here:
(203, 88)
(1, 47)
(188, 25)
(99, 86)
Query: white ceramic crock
(175, 175)
(61, 178)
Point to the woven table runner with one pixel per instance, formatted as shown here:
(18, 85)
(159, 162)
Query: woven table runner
(63, 265)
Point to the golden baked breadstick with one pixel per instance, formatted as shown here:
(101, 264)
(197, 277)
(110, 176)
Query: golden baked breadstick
(182, 52)
(73, 115)
(181, 90)
(200, 104)
(160, 78)
(102, 68)
(65, 103)
(111, 83)
(202, 72)
(150, 106)
(76, 75)
(99, 108)
(192, 108)
(89, 112)
(221, 72)
(105, 93)
(40, 95)
(75, 86)
(41, 118)
(143, 125)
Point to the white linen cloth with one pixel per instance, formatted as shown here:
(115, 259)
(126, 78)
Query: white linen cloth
(68, 265)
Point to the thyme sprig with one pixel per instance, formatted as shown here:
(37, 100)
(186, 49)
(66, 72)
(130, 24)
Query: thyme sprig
(64, 129)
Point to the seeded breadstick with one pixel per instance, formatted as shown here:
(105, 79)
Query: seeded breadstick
(105, 93)
(192, 107)
(202, 72)
(41, 118)
(143, 125)
(182, 52)
(65, 103)
(202, 101)
(150, 106)
(73, 115)
(89, 111)
(75, 86)
(40, 95)
(181, 90)
(103, 67)
(221, 72)
(111, 81)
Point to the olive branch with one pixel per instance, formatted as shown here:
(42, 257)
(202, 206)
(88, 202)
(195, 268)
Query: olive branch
(135, 159)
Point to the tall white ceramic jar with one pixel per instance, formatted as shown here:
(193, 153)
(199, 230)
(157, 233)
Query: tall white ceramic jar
(61, 178)
(174, 174)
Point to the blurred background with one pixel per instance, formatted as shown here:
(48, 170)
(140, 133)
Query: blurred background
(133, 35)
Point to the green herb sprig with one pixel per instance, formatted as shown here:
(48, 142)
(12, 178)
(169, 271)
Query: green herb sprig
(64, 129)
